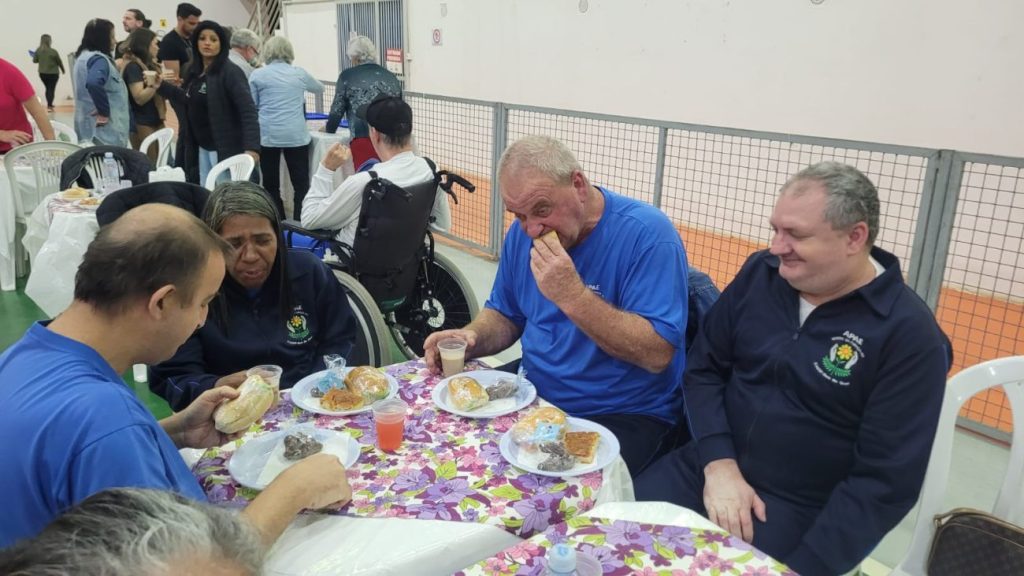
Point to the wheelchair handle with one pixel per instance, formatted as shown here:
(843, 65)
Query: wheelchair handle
(448, 179)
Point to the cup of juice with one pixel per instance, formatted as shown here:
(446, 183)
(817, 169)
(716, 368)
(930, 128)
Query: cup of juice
(389, 418)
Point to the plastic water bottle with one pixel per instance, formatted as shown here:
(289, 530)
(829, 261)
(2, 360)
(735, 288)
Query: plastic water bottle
(563, 561)
(110, 174)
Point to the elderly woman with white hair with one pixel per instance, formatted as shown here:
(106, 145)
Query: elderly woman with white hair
(278, 89)
(357, 87)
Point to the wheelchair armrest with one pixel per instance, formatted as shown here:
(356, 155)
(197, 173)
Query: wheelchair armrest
(295, 226)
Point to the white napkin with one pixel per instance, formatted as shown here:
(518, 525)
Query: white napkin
(336, 444)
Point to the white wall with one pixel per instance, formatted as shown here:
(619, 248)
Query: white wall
(312, 29)
(934, 73)
(22, 22)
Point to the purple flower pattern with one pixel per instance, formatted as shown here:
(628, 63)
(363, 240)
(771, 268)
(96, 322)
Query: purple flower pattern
(627, 548)
(448, 468)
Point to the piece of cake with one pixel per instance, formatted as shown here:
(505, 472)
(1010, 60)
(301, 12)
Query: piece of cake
(338, 399)
(583, 445)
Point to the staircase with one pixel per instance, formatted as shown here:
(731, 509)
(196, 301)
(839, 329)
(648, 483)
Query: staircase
(264, 16)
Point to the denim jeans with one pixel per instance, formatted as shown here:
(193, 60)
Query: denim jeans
(207, 160)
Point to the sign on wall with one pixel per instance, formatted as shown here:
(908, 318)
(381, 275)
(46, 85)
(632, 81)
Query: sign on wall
(437, 37)
(393, 61)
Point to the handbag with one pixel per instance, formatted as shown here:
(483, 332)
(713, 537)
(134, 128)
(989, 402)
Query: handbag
(972, 542)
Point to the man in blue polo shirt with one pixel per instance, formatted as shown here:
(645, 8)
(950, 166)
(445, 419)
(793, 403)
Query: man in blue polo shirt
(814, 387)
(594, 284)
(71, 427)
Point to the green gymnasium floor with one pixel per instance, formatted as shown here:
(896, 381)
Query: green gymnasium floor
(19, 312)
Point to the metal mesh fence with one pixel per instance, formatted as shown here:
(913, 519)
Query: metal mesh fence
(720, 189)
(981, 303)
(458, 136)
(719, 186)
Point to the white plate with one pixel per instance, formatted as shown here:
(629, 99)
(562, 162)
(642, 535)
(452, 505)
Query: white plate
(493, 408)
(302, 398)
(247, 464)
(607, 451)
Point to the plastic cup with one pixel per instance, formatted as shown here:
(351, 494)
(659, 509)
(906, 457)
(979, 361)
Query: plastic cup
(149, 77)
(140, 373)
(453, 355)
(389, 418)
(272, 374)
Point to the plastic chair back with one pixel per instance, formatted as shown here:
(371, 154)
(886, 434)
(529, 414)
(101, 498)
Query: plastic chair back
(63, 132)
(240, 165)
(163, 138)
(1005, 372)
(45, 158)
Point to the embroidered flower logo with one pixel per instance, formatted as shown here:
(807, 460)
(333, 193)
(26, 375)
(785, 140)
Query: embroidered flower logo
(298, 330)
(840, 360)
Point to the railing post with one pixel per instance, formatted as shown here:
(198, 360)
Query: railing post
(924, 252)
(498, 144)
(659, 168)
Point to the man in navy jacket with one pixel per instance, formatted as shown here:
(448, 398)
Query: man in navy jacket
(814, 389)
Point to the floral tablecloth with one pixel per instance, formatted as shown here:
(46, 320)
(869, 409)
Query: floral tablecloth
(624, 547)
(449, 468)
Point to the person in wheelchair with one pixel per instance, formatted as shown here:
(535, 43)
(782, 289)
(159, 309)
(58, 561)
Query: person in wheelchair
(275, 306)
(390, 121)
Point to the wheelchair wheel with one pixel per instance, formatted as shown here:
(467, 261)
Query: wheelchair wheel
(442, 299)
(371, 346)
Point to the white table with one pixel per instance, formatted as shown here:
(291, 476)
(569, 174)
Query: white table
(319, 145)
(27, 182)
(56, 241)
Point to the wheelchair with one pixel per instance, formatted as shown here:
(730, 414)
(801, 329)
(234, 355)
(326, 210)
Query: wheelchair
(397, 285)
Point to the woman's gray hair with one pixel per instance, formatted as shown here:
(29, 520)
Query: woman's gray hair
(278, 48)
(130, 531)
(245, 38)
(239, 198)
(244, 198)
(361, 49)
(543, 154)
(851, 197)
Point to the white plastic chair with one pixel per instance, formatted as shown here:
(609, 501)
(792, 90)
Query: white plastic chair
(1005, 372)
(61, 131)
(45, 159)
(163, 137)
(240, 165)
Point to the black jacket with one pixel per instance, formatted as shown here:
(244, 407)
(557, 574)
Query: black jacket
(233, 118)
(136, 166)
(181, 194)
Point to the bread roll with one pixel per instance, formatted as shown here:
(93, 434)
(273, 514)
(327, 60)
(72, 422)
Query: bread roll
(368, 382)
(537, 427)
(466, 394)
(254, 399)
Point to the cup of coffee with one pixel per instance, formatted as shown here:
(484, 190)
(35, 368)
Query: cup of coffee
(149, 77)
(272, 374)
(453, 355)
(389, 419)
